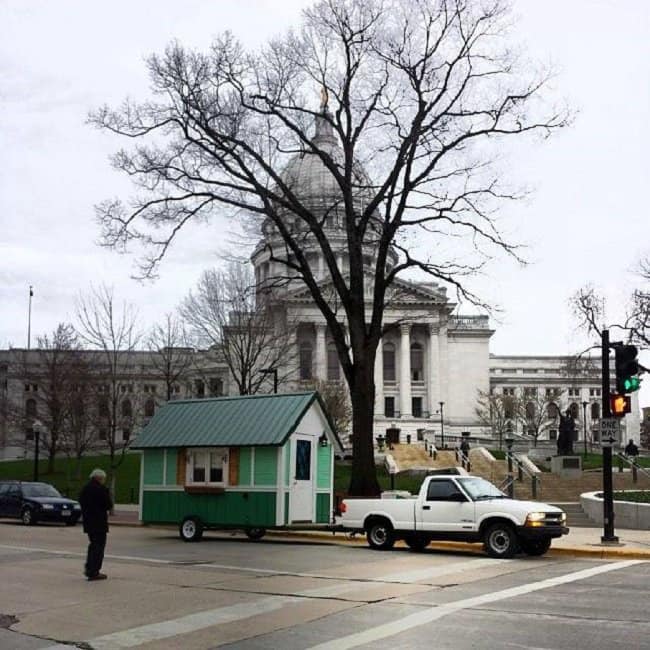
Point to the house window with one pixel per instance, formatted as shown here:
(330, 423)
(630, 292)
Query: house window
(333, 371)
(552, 410)
(216, 386)
(594, 392)
(509, 391)
(303, 460)
(103, 433)
(530, 411)
(30, 409)
(305, 360)
(207, 466)
(126, 434)
(389, 407)
(417, 362)
(530, 391)
(574, 410)
(199, 386)
(127, 409)
(389, 362)
(574, 392)
(416, 407)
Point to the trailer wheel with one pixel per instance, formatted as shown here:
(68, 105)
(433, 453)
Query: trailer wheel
(255, 533)
(380, 535)
(191, 529)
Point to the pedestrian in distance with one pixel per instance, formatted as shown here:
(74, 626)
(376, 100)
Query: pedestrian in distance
(631, 449)
(95, 501)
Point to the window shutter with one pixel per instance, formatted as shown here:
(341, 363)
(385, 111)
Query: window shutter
(181, 463)
(233, 466)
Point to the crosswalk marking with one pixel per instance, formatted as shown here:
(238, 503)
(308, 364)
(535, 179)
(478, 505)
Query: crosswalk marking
(434, 613)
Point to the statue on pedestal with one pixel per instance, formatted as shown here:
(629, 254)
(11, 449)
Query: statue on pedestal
(566, 434)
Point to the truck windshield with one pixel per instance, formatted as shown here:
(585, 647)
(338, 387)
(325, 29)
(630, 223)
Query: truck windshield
(479, 489)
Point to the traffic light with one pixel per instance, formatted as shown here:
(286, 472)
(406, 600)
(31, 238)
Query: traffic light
(619, 405)
(627, 369)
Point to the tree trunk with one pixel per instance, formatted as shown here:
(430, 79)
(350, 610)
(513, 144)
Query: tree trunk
(363, 482)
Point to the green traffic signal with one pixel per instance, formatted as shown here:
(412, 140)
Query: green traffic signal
(630, 384)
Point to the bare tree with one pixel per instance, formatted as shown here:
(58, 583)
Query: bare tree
(111, 329)
(498, 413)
(224, 313)
(415, 97)
(171, 356)
(337, 402)
(538, 412)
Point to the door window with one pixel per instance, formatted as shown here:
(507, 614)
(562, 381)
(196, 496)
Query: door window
(303, 460)
(441, 491)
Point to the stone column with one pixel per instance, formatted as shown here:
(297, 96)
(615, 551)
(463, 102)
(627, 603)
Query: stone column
(433, 375)
(321, 267)
(321, 352)
(405, 371)
(443, 381)
(379, 380)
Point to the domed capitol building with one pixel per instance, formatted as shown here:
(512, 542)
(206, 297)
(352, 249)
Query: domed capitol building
(433, 370)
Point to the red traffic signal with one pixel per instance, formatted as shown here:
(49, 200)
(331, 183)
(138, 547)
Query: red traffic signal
(619, 405)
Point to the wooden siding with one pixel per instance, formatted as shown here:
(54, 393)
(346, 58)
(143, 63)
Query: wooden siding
(266, 465)
(181, 465)
(172, 473)
(287, 462)
(154, 467)
(245, 463)
(324, 467)
(228, 509)
(322, 508)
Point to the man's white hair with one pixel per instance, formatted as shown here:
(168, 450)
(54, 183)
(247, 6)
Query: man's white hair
(98, 473)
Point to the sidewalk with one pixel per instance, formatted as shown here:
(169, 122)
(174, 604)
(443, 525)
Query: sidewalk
(633, 544)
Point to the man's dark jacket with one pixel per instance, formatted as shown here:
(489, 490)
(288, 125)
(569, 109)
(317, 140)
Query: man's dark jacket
(95, 501)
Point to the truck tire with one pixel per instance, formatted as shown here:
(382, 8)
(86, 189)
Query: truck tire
(500, 540)
(416, 543)
(535, 547)
(380, 535)
(191, 529)
(255, 533)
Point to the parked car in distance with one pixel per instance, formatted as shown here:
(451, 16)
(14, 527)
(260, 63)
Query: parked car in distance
(32, 502)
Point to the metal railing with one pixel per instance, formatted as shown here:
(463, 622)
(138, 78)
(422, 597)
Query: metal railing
(431, 449)
(513, 459)
(463, 459)
(631, 461)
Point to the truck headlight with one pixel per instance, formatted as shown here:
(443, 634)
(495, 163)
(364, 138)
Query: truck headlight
(535, 519)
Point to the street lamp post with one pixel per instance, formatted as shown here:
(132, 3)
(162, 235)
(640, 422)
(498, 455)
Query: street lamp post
(274, 372)
(442, 425)
(36, 428)
(584, 426)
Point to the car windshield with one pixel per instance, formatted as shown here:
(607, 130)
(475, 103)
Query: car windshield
(479, 489)
(40, 490)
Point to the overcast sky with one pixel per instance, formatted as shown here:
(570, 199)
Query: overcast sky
(587, 221)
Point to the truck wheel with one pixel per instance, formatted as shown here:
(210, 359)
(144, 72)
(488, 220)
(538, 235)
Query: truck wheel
(535, 547)
(380, 536)
(255, 533)
(191, 529)
(416, 543)
(500, 540)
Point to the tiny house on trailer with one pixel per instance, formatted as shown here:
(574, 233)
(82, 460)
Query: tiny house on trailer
(250, 462)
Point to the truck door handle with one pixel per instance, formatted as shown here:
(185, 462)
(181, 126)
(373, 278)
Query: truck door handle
(426, 507)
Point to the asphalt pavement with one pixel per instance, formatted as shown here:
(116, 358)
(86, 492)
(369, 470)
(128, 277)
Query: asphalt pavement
(586, 542)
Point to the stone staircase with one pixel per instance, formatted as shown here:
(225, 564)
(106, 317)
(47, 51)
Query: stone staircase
(551, 488)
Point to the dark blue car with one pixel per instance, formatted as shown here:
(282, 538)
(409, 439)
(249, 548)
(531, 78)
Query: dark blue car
(32, 502)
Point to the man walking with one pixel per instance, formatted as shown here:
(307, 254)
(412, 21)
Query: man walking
(95, 503)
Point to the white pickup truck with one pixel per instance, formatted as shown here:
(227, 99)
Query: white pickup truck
(458, 508)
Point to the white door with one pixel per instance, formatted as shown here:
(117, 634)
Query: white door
(446, 508)
(301, 499)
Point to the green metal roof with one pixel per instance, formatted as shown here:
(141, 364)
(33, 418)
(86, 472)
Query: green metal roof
(228, 421)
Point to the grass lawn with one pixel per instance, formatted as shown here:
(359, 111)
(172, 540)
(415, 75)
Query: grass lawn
(641, 496)
(69, 479)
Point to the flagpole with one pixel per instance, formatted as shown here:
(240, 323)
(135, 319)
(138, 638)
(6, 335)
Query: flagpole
(29, 318)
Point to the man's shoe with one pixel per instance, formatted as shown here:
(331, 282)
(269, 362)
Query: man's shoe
(99, 576)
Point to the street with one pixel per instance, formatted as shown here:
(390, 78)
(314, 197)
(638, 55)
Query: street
(229, 592)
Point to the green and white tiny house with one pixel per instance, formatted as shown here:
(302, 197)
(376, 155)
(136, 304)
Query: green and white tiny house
(252, 462)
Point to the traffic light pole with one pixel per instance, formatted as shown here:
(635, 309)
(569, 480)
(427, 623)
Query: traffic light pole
(608, 492)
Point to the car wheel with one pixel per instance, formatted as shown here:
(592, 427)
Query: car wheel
(535, 547)
(380, 535)
(191, 529)
(28, 517)
(255, 533)
(416, 543)
(500, 540)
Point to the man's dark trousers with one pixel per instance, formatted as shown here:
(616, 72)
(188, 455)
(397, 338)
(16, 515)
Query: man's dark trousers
(95, 555)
